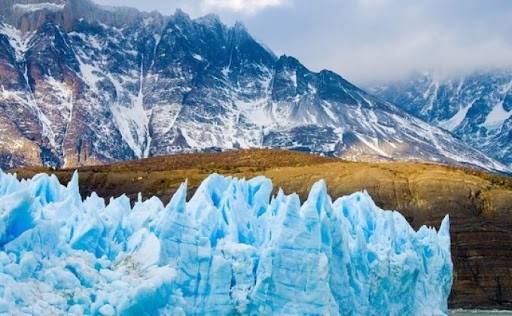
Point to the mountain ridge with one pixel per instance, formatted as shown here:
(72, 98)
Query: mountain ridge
(476, 107)
(85, 85)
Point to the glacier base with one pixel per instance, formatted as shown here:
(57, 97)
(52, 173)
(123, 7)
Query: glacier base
(233, 248)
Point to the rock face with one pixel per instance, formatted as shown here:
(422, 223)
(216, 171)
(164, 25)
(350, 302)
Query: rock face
(476, 108)
(232, 249)
(83, 85)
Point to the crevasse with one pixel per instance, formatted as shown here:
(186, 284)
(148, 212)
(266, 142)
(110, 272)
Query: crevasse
(233, 248)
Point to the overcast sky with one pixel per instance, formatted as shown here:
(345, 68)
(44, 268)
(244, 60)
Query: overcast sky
(368, 40)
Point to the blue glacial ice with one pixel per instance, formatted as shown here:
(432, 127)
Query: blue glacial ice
(233, 248)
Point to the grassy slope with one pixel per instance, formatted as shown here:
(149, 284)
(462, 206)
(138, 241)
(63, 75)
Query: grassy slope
(480, 204)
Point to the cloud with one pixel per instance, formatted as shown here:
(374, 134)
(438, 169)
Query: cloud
(229, 9)
(247, 6)
(369, 40)
(379, 40)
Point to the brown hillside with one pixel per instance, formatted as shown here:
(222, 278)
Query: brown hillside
(480, 204)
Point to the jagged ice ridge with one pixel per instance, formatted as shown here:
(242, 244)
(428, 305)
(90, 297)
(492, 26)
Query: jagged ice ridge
(232, 248)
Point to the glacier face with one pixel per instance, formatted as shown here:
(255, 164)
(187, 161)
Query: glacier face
(233, 248)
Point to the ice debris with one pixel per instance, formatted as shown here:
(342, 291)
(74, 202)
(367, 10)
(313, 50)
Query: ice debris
(232, 249)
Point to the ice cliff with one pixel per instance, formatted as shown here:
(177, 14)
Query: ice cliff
(233, 248)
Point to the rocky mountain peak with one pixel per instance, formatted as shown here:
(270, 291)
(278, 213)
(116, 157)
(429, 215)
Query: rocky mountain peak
(90, 84)
(211, 20)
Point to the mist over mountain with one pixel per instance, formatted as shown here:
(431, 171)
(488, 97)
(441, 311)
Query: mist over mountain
(476, 108)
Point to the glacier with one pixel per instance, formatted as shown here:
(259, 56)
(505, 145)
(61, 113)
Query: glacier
(233, 248)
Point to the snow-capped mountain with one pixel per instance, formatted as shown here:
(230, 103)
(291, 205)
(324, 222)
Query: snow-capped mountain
(83, 84)
(477, 108)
